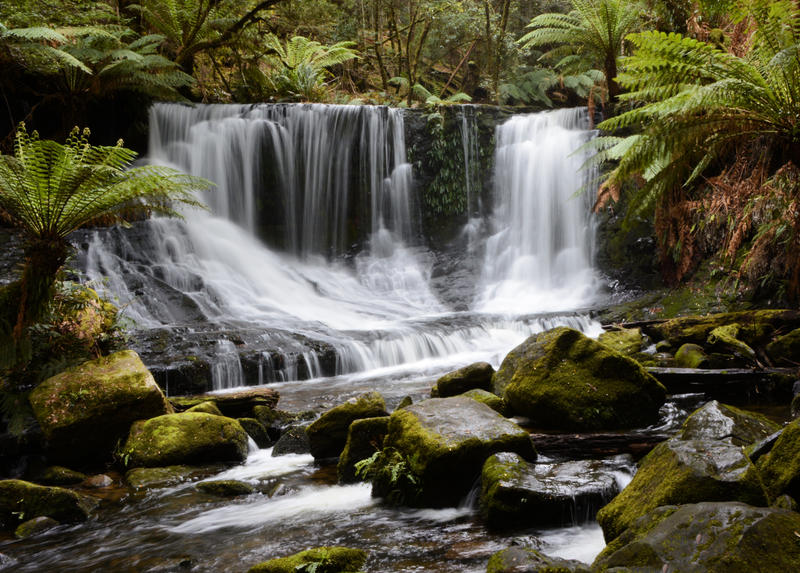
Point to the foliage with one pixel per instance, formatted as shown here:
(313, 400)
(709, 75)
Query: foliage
(48, 190)
(591, 36)
(394, 471)
(541, 85)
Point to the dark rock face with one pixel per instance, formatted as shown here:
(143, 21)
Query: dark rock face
(780, 468)
(22, 498)
(440, 445)
(708, 538)
(364, 439)
(563, 380)
(293, 441)
(328, 434)
(715, 421)
(474, 376)
(515, 493)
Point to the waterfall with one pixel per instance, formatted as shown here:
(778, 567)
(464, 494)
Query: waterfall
(540, 255)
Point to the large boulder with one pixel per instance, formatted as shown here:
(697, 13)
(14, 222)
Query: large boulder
(715, 421)
(683, 471)
(328, 434)
(707, 538)
(564, 380)
(324, 560)
(474, 376)
(21, 501)
(627, 341)
(519, 559)
(85, 411)
(364, 439)
(188, 438)
(435, 449)
(780, 469)
(515, 493)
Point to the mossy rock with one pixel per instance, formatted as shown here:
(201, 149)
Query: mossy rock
(59, 475)
(475, 376)
(691, 356)
(207, 407)
(515, 493)
(517, 559)
(563, 380)
(293, 441)
(683, 471)
(440, 445)
(21, 500)
(364, 439)
(328, 435)
(715, 421)
(627, 341)
(785, 349)
(708, 538)
(35, 526)
(239, 404)
(725, 339)
(256, 430)
(225, 487)
(147, 478)
(327, 560)
(188, 438)
(85, 411)
(756, 327)
(494, 401)
(780, 469)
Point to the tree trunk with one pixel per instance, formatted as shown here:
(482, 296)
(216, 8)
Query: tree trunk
(43, 259)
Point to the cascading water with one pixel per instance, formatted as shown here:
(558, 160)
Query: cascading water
(540, 255)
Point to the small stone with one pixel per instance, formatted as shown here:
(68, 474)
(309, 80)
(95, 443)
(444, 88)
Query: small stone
(35, 526)
(98, 481)
(225, 488)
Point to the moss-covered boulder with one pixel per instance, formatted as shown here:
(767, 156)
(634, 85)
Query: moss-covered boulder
(225, 487)
(59, 475)
(207, 407)
(292, 441)
(325, 559)
(189, 438)
(627, 341)
(515, 493)
(785, 349)
(21, 500)
(35, 526)
(725, 339)
(86, 410)
(683, 471)
(564, 380)
(146, 478)
(478, 375)
(256, 430)
(715, 421)
(707, 538)
(438, 447)
(756, 327)
(494, 401)
(364, 439)
(780, 469)
(691, 356)
(518, 559)
(327, 435)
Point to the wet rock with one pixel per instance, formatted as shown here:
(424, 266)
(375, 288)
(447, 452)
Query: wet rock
(331, 560)
(328, 435)
(98, 481)
(627, 341)
(707, 538)
(189, 438)
(86, 410)
(563, 380)
(756, 328)
(238, 404)
(784, 502)
(147, 478)
(518, 559)
(725, 339)
(364, 439)
(515, 493)
(22, 500)
(256, 430)
(293, 441)
(715, 421)
(758, 449)
(59, 475)
(780, 468)
(225, 488)
(785, 349)
(277, 421)
(691, 356)
(35, 526)
(208, 407)
(683, 471)
(495, 402)
(404, 403)
(439, 447)
(474, 376)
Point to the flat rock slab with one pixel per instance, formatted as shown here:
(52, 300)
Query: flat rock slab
(515, 493)
(238, 404)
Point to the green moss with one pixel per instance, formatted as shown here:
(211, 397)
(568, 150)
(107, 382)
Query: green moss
(327, 560)
(717, 421)
(34, 526)
(756, 327)
(328, 434)
(225, 487)
(496, 471)
(22, 500)
(726, 339)
(780, 469)
(474, 376)
(207, 407)
(145, 478)
(517, 558)
(627, 341)
(188, 438)
(58, 475)
(492, 400)
(364, 438)
(785, 349)
(691, 356)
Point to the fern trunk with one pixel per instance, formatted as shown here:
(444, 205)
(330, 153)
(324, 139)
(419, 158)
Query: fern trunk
(43, 259)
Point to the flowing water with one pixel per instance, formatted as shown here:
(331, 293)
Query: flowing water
(309, 273)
